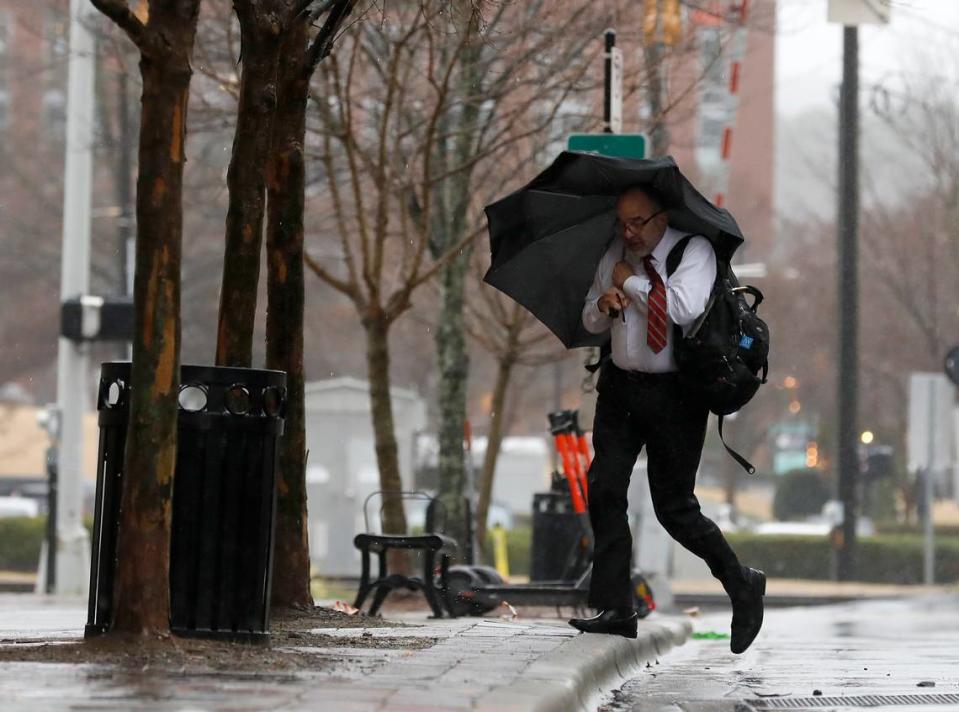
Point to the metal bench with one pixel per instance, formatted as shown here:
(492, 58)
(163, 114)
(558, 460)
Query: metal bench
(435, 548)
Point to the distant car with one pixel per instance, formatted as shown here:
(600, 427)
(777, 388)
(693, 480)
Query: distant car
(18, 507)
(33, 488)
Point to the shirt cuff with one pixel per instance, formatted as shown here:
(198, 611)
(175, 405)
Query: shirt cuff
(593, 319)
(596, 313)
(637, 288)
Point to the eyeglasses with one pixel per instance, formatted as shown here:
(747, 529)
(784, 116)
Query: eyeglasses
(636, 224)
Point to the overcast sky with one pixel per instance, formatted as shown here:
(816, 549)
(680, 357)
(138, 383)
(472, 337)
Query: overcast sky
(921, 34)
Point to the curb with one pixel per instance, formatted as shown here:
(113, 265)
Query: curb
(581, 670)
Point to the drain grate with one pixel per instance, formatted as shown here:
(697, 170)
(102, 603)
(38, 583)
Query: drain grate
(804, 703)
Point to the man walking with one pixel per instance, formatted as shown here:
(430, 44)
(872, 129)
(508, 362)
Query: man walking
(642, 402)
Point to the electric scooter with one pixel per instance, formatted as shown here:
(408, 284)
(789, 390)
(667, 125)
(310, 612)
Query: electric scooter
(479, 590)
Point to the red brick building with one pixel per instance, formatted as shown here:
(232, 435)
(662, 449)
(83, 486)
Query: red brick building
(33, 68)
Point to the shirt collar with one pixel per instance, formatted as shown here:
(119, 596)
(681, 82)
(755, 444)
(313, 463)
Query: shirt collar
(661, 251)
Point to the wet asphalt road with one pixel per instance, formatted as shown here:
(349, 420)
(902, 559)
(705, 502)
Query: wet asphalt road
(850, 651)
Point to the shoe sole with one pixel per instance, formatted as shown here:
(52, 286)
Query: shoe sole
(632, 632)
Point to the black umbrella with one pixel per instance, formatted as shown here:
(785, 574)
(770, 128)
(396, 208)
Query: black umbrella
(547, 238)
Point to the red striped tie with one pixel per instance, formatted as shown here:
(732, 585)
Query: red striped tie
(656, 318)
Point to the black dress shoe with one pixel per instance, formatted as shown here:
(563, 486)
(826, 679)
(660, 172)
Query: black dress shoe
(612, 621)
(747, 600)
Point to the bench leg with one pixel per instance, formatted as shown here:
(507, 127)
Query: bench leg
(364, 581)
(381, 592)
(382, 587)
(445, 584)
(429, 590)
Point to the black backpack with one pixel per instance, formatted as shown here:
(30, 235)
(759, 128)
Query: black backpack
(724, 357)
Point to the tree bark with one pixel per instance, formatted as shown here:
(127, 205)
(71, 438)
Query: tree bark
(284, 320)
(141, 585)
(452, 357)
(494, 440)
(654, 56)
(451, 400)
(381, 404)
(261, 27)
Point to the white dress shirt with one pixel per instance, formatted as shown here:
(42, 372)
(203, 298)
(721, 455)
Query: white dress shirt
(687, 293)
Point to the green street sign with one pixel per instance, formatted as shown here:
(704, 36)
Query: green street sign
(609, 144)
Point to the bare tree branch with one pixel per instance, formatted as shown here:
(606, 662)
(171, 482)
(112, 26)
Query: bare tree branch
(123, 17)
(322, 44)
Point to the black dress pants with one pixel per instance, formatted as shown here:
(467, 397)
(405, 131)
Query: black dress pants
(655, 410)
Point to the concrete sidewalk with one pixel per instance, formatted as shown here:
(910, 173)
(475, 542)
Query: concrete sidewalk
(493, 665)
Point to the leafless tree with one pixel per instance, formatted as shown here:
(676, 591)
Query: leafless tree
(164, 38)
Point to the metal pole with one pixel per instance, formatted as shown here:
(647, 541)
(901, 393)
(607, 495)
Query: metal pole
(73, 541)
(848, 300)
(126, 237)
(929, 543)
(610, 40)
(52, 489)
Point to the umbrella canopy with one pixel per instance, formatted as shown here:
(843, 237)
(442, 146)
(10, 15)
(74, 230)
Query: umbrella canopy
(547, 238)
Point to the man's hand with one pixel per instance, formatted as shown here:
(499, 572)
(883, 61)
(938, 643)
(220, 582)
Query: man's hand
(621, 272)
(613, 298)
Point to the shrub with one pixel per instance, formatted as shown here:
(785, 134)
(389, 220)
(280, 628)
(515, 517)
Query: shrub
(880, 559)
(20, 541)
(799, 494)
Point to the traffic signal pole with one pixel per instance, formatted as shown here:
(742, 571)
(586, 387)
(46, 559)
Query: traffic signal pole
(848, 302)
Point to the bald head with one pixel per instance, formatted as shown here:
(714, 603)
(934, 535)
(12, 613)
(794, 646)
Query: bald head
(640, 196)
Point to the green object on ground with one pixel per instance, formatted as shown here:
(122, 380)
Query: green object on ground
(710, 635)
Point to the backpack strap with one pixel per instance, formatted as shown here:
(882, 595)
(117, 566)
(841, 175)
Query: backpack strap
(675, 255)
(746, 464)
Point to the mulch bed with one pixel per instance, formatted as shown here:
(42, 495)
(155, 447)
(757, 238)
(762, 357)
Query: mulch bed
(292, 632)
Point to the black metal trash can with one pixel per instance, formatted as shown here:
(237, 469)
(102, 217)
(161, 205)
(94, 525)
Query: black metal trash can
(221, 548)
(555, 534)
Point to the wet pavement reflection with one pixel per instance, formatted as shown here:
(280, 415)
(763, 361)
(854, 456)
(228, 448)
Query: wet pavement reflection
(883, 648)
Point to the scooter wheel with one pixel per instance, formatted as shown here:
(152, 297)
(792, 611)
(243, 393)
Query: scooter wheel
(488, 575)
(463, 583)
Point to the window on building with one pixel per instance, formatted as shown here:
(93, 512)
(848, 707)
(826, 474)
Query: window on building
(54, 115)
(4, 109)
(55, 33)
(6, 31)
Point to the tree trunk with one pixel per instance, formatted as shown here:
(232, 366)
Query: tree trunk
(142, 589)
(246, 180)
(284, 322)
(654, 55)
(450, 340)
(494, 440)
(451, 401)
(384, 432)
